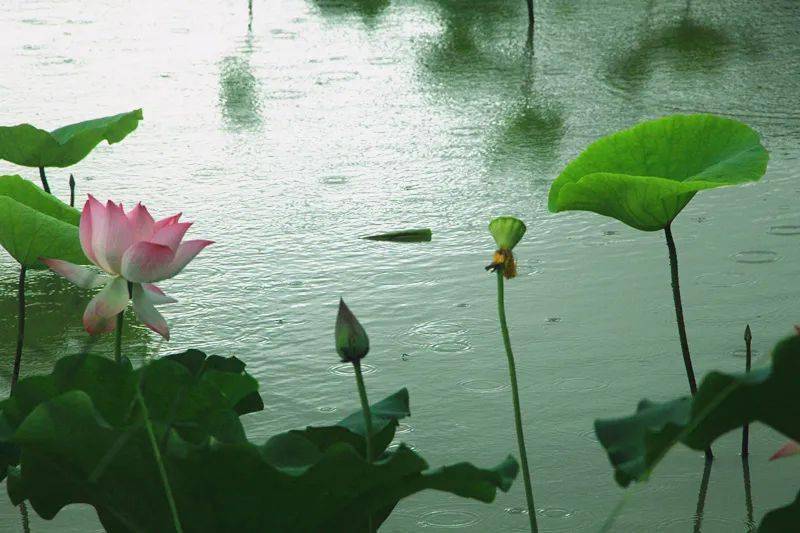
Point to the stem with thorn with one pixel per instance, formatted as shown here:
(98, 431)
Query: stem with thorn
(748, 340)
(512, 372)
(676, 295)
(44, 180)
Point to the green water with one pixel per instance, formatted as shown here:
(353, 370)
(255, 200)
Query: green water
(332, 119)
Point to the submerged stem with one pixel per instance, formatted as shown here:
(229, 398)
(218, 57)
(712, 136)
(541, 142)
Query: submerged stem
(531, 18)
(512, 372)
(118, 339)
(701, 498)
(43, 177)
(676, 295)
(20, 327)
(161, 470)
(362, 394)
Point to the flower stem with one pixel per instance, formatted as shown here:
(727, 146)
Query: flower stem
(118, 339)
(362, 394)
(44, 180)
(20, 327)
(748, 339)
(512, 372)
(676, 295)
(71, 190)
(161, 470)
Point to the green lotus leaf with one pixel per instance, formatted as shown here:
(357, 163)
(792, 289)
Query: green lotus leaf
(195, 395)
(724, 402)
(36, 224)
(644, 176)
(409, 235)
(76, 448)
(30, 146)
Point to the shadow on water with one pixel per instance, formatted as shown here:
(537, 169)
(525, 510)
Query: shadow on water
(748, 495)
(370, 11)
(53, 326)
(686, 45)
(240, 89)
(701, 497)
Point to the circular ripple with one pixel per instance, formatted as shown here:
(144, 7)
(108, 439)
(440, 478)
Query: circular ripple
(755, 257)
(580, 385)
(482, 386)
(741, 352)
(403, 428)
(381, 60)
(283, 34)
(789, 229)
(438, 327)
(336, 76)
(451, 346)
(346, 369)
(724, 279)
(284, 94)
(335, 180)
(326, 409)
(448, 519)
(556, 512)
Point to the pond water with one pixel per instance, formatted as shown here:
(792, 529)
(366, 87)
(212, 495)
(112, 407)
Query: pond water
(331, 119)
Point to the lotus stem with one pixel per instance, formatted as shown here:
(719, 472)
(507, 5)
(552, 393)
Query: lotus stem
(161, 470)
(118, 330)
(26, 523)
(362, 394)
(748, 496)
(44, 180)
(676, 295)
(512, 373)
(748, 340)
(71, 190)
(701, 498)
(531, 18)
(20, 327)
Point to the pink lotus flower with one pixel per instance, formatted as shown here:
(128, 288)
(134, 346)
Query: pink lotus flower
(134, 250)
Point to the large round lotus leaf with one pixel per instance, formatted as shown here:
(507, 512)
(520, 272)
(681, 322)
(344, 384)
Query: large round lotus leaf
(29, 146)
(644, 176)
(36, 224)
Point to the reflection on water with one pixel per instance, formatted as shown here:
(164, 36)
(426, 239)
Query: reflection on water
(368, 10)
(53, 325)
(240, 89)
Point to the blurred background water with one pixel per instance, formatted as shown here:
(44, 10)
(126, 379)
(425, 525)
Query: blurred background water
(329, 119)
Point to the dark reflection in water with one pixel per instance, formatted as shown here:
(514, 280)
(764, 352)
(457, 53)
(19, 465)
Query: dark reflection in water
(686, 45)
(240, 89)
(701, 497)
(369, 10)
(53, 326)
(748, 495)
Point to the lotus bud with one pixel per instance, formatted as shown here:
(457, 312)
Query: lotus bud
(352, 343)
(507, 232)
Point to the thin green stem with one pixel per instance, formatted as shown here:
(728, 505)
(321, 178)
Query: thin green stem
(118, 339)
(676, 295)
(20, 327)
(161, 470)
(362, 394)
(748, 339)
(512, 373)
(43, 177)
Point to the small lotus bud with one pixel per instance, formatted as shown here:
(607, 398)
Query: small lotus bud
(352, 343)
(507, 232)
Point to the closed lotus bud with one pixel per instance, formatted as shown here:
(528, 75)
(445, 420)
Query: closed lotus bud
(352, 343)
(507, 232)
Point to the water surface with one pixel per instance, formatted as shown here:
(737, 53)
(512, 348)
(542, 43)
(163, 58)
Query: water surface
(331, 119)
